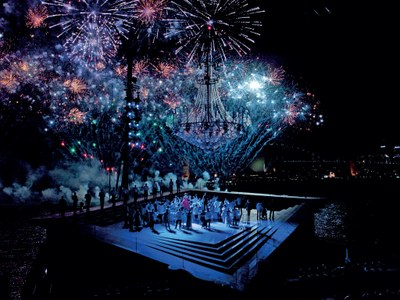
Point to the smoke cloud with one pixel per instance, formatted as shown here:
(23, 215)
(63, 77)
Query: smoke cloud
(48, 186)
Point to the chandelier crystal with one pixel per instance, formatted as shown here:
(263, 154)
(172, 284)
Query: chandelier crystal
(207, 124)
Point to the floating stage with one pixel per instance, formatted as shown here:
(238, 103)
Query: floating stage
(224, 254)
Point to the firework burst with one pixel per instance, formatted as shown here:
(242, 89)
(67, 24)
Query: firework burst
(216, 27)
(147, 12)
(150, 21)
(36, 16)
(76, 116)
(92, 28)
(140, 67)
(76, 86)
(276, 75)
(8, 80)
(164, 69)
(95, 45)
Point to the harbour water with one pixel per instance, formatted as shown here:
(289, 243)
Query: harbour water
(355, 232)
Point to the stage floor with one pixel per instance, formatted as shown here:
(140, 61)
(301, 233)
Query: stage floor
(223, 254)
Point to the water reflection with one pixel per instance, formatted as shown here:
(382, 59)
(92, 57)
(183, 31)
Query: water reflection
(367, 225)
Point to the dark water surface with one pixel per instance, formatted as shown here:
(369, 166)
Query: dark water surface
(358, 226)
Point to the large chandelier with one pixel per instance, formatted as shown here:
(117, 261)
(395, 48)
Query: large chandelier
(207, 124)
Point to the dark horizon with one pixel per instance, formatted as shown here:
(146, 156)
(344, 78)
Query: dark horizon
(343, 52)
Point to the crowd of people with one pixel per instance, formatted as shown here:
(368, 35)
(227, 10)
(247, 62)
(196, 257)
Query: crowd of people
(182, 211)
(178, 211)
(157, 189)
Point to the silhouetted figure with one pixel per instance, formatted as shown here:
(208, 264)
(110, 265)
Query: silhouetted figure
(178, 185)
(166, 219)
(272, 210)
(63, 206)
(113, 198)
(125, 195)
(155, 190)
(236, 216)
(152, 221)
(137, 218)
(102, 197)
(178, 217)
(203, 219)
(88, 199)
(264, 213)
(131, 217)
(162, 188)
(145, 191)
(171, 186)
(189, 219)
(135, 194)
(81, 205)
(74, 202)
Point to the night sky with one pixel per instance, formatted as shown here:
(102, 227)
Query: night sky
(345, 52)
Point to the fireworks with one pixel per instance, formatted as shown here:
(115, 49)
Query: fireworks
(79, 88)
(120, 71)
(291, 113)
(8, 80)
(269, 110)
(164, 69)
(95, 44)
(73, 15)
(140, 67)
(76, 86)
(216, 27)
(76, 116)
(276, 76)
(36, 16)
(150, 18)
(147, 12)
(92, 28)
(171, 100)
